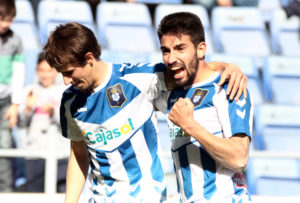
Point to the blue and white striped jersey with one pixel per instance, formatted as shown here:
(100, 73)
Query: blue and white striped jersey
(199, 177)
(118, 124)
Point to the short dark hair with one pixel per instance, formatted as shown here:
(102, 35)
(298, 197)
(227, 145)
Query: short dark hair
(7, 8)
(68, 45)
(182, 23)
(41, 57)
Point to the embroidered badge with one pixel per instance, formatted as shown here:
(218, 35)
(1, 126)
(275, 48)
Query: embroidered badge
(198, 96)
(116, 96)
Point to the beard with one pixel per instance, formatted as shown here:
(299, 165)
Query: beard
(191, 74)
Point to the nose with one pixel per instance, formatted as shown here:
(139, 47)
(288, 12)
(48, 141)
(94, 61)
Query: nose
(67, 80)
(172, 58)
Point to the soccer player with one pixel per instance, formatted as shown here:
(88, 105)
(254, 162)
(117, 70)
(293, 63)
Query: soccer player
(210, 133)
(108, 114)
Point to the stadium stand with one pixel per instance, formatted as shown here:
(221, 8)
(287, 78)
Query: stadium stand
(125, 27)
(285, 35)
(164, 9)
(240, 31)
(281, 79)
(52, 13)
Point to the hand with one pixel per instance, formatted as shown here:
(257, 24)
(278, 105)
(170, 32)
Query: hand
(182, 112)
(12, 115)
(30, 101)
(49, 108)
(237, 81)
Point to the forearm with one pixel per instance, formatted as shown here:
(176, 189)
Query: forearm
(76, 175)
(231, 153)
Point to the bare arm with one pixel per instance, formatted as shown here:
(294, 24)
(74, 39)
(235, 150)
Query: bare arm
(232, 153)
(77, 171)
(237, 79)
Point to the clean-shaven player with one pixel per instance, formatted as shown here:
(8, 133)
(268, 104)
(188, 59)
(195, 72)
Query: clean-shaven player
(108, 114)
(210, 133)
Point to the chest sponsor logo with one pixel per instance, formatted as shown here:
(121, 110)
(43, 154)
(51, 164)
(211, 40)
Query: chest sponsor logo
(175, 132)
(198, 96)
(105, 136)
(116, 96)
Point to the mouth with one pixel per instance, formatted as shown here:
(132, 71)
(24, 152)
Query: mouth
(177, 71)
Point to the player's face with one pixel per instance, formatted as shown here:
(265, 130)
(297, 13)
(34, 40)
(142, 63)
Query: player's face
(80, 77)
(46, 74)
(180, 58)
(5, 23)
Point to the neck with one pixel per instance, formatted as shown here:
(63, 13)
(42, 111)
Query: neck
(100, 71)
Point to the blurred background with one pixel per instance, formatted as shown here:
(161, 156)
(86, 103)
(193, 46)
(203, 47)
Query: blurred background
(262, 37)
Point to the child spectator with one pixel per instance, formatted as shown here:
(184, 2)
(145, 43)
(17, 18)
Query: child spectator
(38, 112)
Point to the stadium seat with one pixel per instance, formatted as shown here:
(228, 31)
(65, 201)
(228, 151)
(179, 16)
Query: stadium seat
(25, 26)
(277, 127)
(266, 7)
(276, 130)
(112, 56)
(240, 31)
(281, 79)
(52, 13)
(285, 35)
(247, 65)
(125, 27)
(273, 177)
(164, 9)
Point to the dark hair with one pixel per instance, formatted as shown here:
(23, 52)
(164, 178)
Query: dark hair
(7, 8)
(68, 45)
(41, 57)
(182, 23)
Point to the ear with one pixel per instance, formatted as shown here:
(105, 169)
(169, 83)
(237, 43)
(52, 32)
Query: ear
(89, 57)
(201, 50)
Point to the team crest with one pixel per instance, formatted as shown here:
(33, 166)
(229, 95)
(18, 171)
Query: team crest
(116, 96)
(198, 96)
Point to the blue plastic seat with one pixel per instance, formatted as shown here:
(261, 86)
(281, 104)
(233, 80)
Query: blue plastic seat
(281, 79)
(240, 31)
(125, 27)
(52, 13)
(285, 33)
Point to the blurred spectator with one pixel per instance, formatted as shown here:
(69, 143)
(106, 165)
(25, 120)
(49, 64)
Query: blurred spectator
(293, 9)
(12, 76)
(38, 112)
(209, 4)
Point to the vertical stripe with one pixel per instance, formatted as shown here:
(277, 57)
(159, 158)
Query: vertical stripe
(152, 142)
(130, 162)
(186, 172)
(104, 168)
(209, 167)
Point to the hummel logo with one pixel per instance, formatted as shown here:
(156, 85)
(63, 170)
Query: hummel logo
(241, 103)
(241, 114)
